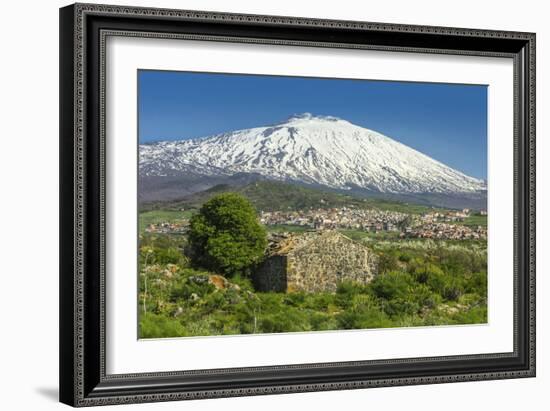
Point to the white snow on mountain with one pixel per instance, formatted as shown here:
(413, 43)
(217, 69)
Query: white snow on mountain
(310, 149)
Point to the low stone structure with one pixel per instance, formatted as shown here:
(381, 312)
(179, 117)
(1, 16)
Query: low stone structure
(314, 262)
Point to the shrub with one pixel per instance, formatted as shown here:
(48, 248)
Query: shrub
(404, 258)
(362, 319)
(158, 326)
(364, 302)
(392, 285)
(476, 315)
(424, 297)
(157, 255)
(429, 274)
(322, 322)
(447, 286)
(399, 307)
(284, 320)
(319, 301)
(243, 282)
(294, 299)
(476, 283)
(225, 236)
(346, 291)
(429, 290)
(452, 290)
(387, 262)
(185, 289)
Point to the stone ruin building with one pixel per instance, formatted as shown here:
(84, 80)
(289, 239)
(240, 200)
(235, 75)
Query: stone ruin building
(314, 262)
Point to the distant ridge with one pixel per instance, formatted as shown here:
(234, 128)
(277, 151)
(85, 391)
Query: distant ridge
(268, 195)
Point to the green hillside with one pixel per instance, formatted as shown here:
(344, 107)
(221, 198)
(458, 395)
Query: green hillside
(274, 195)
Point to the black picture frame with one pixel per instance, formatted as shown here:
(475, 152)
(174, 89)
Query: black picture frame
(83, 380)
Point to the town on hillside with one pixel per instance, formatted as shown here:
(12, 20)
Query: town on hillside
(441, 224)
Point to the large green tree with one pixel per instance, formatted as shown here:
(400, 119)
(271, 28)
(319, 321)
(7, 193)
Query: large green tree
(225, 236)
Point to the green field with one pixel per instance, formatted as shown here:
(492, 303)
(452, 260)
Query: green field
(400, 207)
(475, 220)
(162, 216)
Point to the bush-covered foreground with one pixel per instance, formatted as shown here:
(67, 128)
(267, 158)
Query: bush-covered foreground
(421, 283)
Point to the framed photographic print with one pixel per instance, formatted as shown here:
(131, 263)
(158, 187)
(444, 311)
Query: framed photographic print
(261, 204)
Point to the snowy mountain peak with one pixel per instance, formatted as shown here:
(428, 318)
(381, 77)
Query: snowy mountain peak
(302, 117)
(318, 150)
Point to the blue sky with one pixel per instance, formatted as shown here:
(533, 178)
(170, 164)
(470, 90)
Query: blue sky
(445, 121)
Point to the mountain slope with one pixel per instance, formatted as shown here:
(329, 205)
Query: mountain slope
(269, 195)
(325, 151)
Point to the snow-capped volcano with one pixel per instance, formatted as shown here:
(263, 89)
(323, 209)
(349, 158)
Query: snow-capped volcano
(320, 150)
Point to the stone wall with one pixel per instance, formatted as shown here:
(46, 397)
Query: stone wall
(320, 265)
(271, 275)
(317, 264)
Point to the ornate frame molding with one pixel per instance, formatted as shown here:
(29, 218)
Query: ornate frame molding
(82, 317)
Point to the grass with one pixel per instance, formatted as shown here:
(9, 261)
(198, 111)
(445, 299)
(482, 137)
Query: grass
(162, 216)
(400, 207)
(474, 221)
